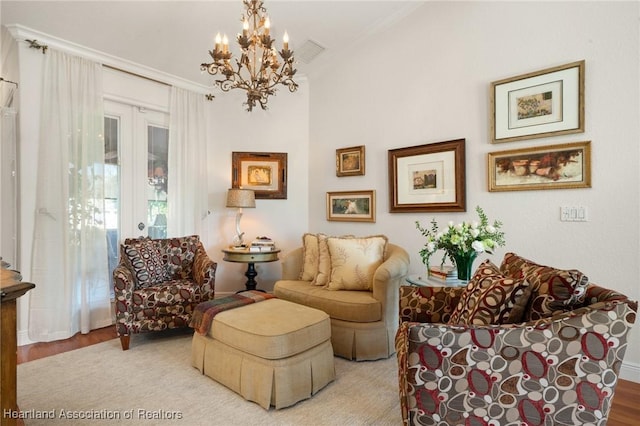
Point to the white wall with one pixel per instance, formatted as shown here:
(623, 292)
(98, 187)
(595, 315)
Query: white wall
(427, 80)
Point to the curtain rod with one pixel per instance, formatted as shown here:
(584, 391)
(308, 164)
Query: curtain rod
(136, 74)
(35, 45)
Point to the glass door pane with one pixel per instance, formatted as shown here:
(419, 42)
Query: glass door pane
(158, 148)
(112, 188)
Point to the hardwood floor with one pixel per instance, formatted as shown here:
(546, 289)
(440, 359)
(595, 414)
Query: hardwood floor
(625, 410)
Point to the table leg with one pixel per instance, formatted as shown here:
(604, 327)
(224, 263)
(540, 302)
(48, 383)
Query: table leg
(251, 274)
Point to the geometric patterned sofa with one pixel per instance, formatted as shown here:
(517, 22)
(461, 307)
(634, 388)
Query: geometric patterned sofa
(557, 364)
(159, 282)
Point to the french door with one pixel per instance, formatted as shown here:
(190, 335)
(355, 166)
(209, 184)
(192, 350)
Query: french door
(136, 147)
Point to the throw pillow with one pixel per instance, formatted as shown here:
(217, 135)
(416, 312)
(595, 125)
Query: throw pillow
(552, 290)
(324, 262)
(146, 262)
(310, 257)
(491, 298)
(354, 261)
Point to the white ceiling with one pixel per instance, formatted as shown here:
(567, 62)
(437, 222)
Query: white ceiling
(174, 36)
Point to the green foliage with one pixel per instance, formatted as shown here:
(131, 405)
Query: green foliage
(462, 238)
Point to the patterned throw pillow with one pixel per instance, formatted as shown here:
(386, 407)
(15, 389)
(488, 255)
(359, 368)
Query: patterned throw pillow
(354, 261)
(552, 290)
(310, 257)
(146, 262)
(491, 298)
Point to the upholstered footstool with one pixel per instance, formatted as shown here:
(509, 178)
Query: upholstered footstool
(272, 352)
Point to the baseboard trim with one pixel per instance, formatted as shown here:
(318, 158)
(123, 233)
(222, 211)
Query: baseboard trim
(630, 371)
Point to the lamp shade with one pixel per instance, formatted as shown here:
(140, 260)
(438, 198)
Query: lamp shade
(237, 197)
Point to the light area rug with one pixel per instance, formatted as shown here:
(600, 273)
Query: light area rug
(153, 383)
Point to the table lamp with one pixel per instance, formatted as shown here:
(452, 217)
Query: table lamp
(240, 198)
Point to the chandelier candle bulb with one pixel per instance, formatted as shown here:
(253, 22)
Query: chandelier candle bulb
(225, 43)
(245, 27)
(218, 41)
(285, 41)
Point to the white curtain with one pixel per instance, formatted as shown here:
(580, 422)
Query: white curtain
(8, 189)
(69, 262)
(187, 193)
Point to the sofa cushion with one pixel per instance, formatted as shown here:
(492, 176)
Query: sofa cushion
(146, 262)
(354, 306)
(266, 329)
(310, 257)
(354, 261)
(552, 290)
(491, 298)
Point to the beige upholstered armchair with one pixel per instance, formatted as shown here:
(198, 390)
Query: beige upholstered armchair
(363, 321)
(549, 367)
(159, 282)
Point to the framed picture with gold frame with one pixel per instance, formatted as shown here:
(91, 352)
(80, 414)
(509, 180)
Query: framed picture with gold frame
(547, 167)
(428, 178)
(350, 161)
(263, 172)
(351, 206)
(539, 104)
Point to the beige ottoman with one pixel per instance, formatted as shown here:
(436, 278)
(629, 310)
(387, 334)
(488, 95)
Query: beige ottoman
(272, 352)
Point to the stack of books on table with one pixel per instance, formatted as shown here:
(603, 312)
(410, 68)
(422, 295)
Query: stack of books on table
(446, 273)
(262, 244)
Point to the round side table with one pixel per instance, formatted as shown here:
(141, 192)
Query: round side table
(250, 258)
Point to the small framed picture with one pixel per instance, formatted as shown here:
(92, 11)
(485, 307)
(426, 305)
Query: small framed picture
(350, 161)
(538, 104)
(351, 206)
(547, 167)
(264, 172)
(428, 178)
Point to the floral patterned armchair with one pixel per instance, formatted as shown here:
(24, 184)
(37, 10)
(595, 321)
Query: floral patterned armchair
(158, 283)
(558, 363)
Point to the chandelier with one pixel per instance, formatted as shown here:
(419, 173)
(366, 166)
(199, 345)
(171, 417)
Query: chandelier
(258, 71)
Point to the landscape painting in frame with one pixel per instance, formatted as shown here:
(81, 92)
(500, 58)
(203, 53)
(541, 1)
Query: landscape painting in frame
(538, 104)
(351, 206)
(547, 167)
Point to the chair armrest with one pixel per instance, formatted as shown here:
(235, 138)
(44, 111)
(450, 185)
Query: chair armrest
(428, 304)
(124, 282)
(386, 280)
(204, 269)
(292, 264)
(547, 368)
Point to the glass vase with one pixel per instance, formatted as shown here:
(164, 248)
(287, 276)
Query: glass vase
(464, 264)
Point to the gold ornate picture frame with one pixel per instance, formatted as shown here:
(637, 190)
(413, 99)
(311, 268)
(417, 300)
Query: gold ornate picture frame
(350, 161)
(547, 167)
(538, 104)
(351, 206)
